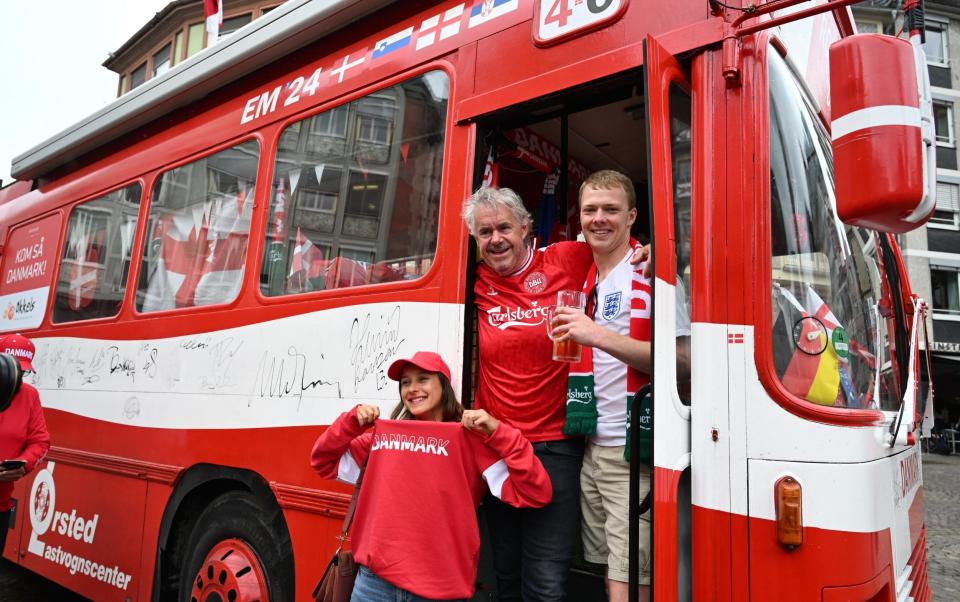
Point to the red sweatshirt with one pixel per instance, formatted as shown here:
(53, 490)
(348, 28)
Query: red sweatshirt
(416, 519)
(23, 435)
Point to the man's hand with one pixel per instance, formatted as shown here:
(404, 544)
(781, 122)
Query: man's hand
(367, 414)
(479, 420)
(641, 254)
(569, 323)
(7, 476)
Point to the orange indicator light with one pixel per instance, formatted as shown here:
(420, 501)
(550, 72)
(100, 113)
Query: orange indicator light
(788, 499)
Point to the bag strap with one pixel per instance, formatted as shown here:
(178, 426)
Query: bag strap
(348, 517)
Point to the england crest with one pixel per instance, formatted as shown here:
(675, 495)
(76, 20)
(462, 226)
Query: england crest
(611, 305)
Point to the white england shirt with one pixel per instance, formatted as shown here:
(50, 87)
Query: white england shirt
(609, 373)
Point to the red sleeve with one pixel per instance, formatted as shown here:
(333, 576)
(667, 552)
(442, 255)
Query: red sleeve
(574, 257)
(38, 439)
(512, 472)
(342, 449)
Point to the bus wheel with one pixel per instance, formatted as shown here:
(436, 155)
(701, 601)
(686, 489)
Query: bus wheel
(235, 554)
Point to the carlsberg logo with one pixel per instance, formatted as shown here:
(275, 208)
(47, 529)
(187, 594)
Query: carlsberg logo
(581, 395)
(504, 318)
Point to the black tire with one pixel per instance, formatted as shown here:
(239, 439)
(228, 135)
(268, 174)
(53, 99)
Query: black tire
(239, 515)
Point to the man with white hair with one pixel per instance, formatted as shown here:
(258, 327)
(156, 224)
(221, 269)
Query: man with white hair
(519, 382)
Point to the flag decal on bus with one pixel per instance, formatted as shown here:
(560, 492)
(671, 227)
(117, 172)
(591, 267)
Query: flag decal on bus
(487, 10)
(392, 43)
(450, 27)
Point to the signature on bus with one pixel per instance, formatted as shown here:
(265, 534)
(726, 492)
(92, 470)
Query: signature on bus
(286, 375)
(374, 341)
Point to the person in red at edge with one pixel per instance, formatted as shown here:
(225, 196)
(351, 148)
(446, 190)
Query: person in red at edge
(415, 531)
(23, 431)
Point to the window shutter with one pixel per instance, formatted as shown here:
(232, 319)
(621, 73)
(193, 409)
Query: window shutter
(948, 197)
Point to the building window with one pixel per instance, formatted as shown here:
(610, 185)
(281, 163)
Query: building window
(177, 48)
(233, 24)
(946, 290)
(936, 45)
(267, 9)
(943, 122)
(138, 76)
(947, 213)
(194, 39)
(869, 26)
(161, 61)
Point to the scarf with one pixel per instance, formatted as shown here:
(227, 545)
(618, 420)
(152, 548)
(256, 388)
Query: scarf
(581, 418)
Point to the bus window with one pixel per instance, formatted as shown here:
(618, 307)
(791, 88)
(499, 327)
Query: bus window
(829, 338)
(680, 153)
(198, 230)
(356, 191)
(96, 256)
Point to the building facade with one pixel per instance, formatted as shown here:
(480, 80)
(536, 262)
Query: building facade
(932, 253)
(174, 34)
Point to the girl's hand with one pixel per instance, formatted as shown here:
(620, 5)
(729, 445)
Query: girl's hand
(367, 414)
(479, 420)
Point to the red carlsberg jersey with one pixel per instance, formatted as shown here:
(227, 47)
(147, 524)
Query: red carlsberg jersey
(517, 379)
(416, 518)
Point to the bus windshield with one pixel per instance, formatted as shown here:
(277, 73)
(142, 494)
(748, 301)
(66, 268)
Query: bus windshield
(830, 332)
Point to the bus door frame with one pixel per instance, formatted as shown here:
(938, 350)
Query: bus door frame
(671, 417)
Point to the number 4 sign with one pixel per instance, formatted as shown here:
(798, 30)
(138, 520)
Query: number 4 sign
(559, 19)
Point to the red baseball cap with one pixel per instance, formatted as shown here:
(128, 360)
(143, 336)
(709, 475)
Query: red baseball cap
(19, 347)
(425, 360)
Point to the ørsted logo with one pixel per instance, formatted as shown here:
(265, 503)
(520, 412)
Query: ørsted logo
(503, 318)
(44, 517)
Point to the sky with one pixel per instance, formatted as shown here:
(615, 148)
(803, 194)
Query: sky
(51, 73)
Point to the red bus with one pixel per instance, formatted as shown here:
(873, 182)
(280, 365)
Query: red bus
(217, 264)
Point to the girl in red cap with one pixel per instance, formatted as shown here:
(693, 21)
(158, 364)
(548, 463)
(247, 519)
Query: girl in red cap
(415, 528)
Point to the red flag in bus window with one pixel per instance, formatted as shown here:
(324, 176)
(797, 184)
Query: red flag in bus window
(306, 262)
(83, 283)
(490, 170)
(201, 256)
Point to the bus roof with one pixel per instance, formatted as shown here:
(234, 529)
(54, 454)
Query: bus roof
(290, 26)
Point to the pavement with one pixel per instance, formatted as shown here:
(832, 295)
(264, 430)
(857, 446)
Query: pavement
(941, 482)
(941, 496)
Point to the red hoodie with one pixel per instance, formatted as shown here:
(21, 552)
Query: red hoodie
(23, 435)
(416, 518)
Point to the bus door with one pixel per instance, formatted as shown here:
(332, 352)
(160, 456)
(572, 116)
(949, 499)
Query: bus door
(669, 123)
(543, 149)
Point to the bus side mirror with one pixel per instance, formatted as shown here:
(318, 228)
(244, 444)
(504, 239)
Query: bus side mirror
(884, 145)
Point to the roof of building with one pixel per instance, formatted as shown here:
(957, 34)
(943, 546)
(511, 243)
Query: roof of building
(156, 20)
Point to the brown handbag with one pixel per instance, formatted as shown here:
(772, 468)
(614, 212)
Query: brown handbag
(336, 584)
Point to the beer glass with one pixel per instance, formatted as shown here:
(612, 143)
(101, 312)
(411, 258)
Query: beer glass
(567, 350)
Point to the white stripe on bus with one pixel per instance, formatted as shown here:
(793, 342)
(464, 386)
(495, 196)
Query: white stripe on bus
(874, 117)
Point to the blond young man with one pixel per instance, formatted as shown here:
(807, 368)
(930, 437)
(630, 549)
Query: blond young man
(617, 291)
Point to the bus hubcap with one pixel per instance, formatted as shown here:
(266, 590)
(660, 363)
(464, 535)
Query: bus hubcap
(231, 572)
